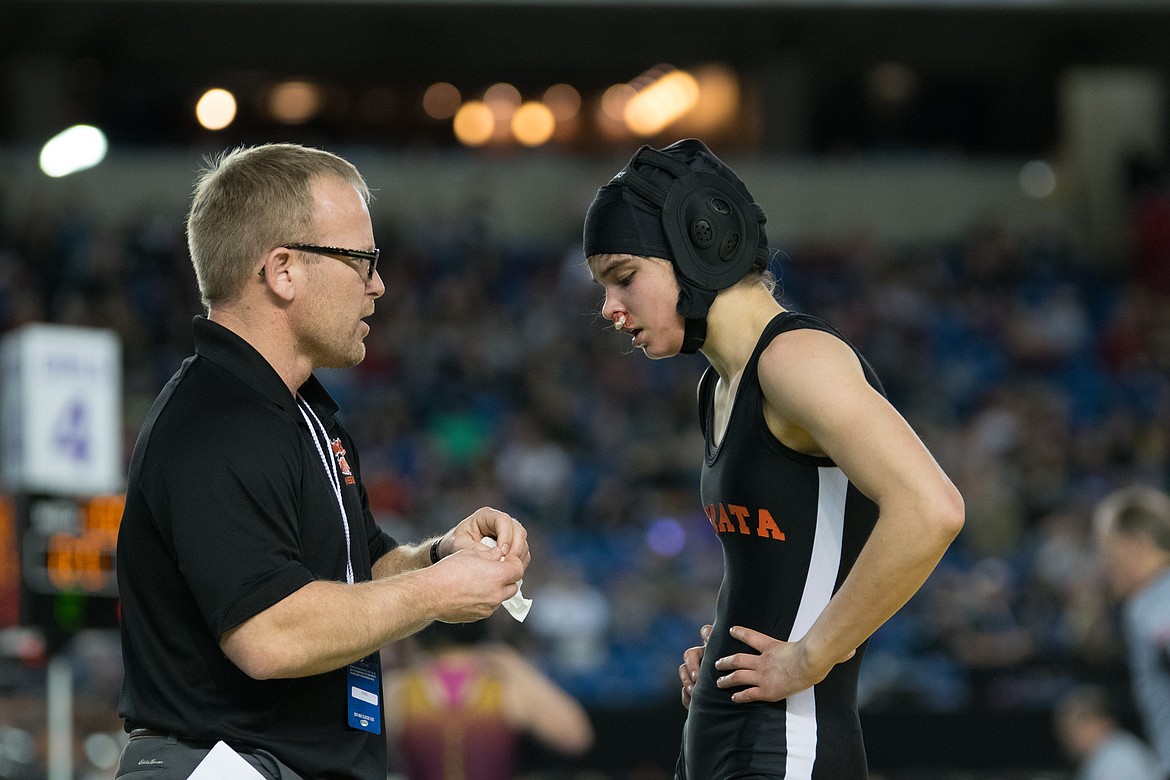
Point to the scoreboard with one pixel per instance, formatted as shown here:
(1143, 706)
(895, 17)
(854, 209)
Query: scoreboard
(69, 544)
(61, 573)
(61, 472)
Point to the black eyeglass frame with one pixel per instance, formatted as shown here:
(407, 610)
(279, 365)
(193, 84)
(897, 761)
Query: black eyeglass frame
(357, 254)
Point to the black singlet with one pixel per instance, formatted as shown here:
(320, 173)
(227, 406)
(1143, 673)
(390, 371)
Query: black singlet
(791, 526)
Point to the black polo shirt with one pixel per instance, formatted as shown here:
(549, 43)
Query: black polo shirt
(228, 511)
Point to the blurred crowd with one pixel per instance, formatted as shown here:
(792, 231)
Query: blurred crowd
(1036, 372)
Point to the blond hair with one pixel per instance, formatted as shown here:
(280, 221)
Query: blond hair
(250, 200)
(1135, 510)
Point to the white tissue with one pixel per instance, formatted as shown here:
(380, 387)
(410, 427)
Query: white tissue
(517, 606)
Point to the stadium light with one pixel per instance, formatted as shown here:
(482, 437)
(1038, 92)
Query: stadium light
(72, 150)
(216, 109)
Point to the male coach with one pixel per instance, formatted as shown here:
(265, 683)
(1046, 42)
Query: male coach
(256, 587)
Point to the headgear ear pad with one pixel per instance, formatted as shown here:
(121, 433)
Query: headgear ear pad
(714, 230)
(711, 230)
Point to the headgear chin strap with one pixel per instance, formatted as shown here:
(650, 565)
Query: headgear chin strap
(693, 304)
(682, 196)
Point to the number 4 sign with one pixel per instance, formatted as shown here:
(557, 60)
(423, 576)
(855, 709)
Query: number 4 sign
(60, 410)
(71, 431)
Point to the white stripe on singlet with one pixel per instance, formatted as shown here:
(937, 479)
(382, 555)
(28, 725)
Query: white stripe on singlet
(801, 720)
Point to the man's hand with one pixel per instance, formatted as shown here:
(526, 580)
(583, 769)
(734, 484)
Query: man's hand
(511, 537)
(474, 582)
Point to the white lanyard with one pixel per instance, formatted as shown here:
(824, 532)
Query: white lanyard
(315, 426)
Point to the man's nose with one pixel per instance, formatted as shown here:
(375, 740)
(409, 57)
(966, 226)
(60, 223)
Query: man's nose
(375, 284)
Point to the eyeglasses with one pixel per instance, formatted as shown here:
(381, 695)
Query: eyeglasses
(370, 255)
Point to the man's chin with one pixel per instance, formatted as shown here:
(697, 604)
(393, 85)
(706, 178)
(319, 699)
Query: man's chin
(348, 360)
(357, 357)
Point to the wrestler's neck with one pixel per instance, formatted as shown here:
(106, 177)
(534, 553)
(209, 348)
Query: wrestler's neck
(734, 324)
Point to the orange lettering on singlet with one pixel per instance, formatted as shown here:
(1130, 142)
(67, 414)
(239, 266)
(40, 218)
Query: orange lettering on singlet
(741, 513)
(769, 525)
(717, 515)
(724, 521)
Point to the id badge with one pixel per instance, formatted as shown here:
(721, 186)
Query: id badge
(364, 694)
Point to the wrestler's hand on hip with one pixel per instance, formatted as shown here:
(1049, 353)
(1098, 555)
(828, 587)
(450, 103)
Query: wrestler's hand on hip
(777, 670)
(688, 670)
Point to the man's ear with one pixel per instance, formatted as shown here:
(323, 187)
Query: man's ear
(278, 274)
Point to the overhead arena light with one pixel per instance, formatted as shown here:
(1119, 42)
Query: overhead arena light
(72, 150)
(662, 102)
(216, 109)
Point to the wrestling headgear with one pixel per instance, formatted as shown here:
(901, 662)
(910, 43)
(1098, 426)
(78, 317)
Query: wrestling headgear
(683, 204)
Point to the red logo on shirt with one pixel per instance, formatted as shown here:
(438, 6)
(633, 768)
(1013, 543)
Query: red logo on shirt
(342, 463)
(745, 521)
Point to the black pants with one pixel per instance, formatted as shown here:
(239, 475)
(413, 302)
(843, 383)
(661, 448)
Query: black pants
(168, 758)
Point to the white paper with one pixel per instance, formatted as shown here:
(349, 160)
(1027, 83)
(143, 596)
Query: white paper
(223, 763)
(517, 606)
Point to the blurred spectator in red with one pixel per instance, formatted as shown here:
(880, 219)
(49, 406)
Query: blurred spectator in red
(460, 710)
